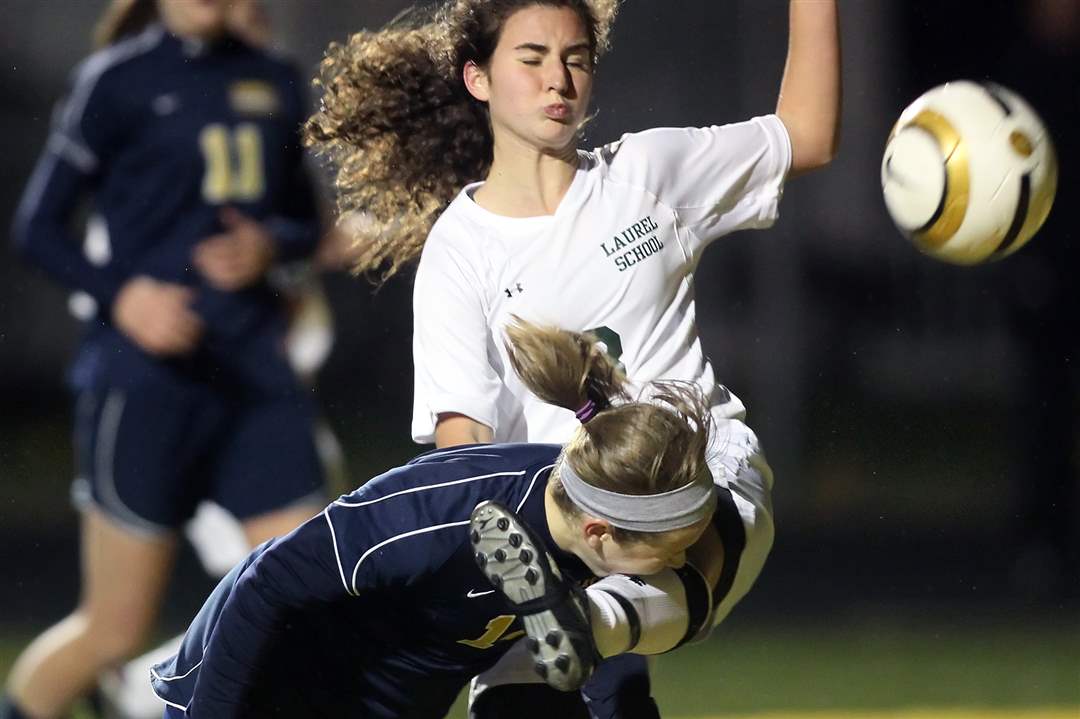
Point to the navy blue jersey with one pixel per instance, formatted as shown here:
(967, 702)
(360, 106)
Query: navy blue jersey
(161, 133)
(374, 608)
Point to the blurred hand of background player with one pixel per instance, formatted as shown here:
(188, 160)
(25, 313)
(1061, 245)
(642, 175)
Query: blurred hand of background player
(237, 257)
(157, 316)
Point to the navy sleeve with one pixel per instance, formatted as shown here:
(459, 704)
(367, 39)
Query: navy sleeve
(294, 573)
(295, 225)
(84, 133)
(357, 545)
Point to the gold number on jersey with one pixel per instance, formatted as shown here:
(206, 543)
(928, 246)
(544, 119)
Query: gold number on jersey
(234, 163)
(495, 629)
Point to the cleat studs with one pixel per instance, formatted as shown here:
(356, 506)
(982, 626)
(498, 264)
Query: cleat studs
(515, 540)
(481, 559)
(503, 524)
(562, 663)
(499, 555)
(553, 638)
(532, 576)
(525, 556)
(475, 537)
(496, 581)
(532, 645)
(541, 669)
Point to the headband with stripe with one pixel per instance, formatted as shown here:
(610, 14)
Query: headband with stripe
(662, 512)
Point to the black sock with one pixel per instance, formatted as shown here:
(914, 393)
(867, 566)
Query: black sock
(8, 710)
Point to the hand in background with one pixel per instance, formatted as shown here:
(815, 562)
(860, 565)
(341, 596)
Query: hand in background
(345, 241)
(239, 256)
(157, 316)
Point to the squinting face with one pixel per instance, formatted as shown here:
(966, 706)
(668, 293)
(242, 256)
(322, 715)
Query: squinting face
(539, 79)
(195, 18)
(667, 549)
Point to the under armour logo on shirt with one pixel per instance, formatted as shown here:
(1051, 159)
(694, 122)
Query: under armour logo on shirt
(516, 289)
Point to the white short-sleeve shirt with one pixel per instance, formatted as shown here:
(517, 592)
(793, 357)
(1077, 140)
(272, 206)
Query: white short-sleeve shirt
(617, 257)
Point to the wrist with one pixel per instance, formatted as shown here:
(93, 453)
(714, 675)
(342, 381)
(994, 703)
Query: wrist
(291, 239)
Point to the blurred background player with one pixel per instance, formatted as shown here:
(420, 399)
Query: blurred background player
(217, 537)
(604, 241)
(183, 137)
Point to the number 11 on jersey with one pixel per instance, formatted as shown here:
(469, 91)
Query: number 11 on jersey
(234, 163)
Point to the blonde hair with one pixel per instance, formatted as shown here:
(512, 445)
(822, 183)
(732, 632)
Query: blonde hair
(124, 18)
(400, 129)
(633, 447)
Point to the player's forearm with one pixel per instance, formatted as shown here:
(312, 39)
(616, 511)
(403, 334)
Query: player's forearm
(810, 94)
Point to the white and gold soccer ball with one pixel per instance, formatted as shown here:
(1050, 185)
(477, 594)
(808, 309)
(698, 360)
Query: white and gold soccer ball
(969, 172)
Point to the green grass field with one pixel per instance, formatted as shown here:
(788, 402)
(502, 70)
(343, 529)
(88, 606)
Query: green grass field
(868, 669)
(873, 671)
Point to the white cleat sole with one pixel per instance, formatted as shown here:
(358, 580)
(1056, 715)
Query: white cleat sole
(518, 565)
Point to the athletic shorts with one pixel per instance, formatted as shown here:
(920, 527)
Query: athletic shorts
(618, 689)
(148, 452)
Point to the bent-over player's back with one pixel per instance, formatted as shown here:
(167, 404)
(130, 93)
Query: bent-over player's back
(377, 598)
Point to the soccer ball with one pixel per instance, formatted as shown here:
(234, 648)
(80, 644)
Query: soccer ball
(969, 172)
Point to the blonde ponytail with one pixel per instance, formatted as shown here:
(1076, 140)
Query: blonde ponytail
(566, 369)
(632, 447)
(124, 18)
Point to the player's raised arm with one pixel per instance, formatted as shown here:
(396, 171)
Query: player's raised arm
(810, 92)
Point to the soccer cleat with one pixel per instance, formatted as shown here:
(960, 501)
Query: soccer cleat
(554, 610)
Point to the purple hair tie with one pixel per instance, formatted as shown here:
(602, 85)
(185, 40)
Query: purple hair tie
(586, 412)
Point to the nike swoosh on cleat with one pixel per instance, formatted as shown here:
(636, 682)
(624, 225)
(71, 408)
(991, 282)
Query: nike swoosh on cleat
(473, 593)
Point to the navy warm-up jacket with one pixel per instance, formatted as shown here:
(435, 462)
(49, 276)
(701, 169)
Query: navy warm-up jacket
(159, 134)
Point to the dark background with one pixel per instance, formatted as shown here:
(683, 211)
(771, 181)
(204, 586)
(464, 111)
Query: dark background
(921, 418)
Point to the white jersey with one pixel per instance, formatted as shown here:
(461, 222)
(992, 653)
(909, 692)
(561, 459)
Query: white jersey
(617, 257)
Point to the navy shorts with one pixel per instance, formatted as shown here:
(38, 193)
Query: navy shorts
(618, 689)
(149, 451)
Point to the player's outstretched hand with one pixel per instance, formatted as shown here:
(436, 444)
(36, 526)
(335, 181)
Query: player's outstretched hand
(157, 316)
(237, 257)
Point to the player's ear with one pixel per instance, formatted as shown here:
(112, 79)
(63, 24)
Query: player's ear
(595, 532)
(476, 81)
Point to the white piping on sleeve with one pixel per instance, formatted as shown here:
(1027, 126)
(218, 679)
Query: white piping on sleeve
(383, 543)
(429, 486)
(337, 556)
(157, 676)
(531, 485)
(93, 70)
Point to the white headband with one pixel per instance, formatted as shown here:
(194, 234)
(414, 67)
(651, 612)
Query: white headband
(663, 512)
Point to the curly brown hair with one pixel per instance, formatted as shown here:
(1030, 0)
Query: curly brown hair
(398, 126)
